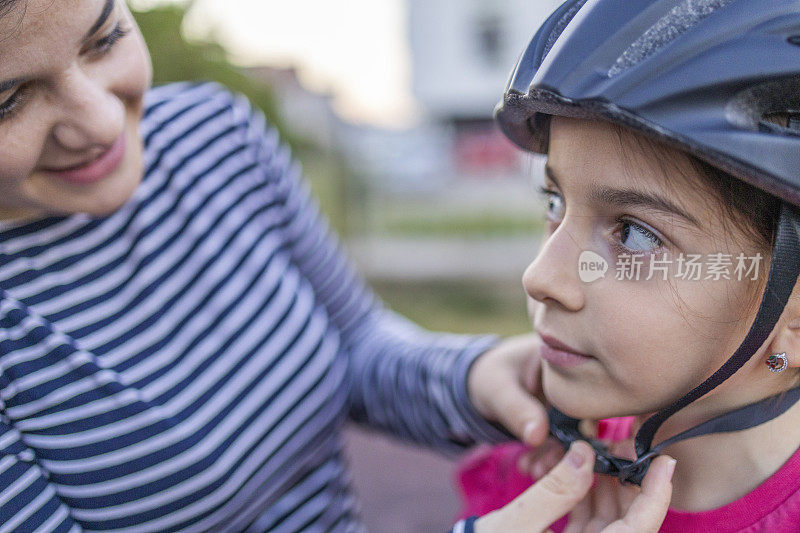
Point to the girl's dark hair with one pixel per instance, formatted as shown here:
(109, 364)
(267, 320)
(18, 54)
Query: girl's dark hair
(754, 211)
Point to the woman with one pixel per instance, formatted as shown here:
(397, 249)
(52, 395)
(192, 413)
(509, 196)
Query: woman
(181, 341)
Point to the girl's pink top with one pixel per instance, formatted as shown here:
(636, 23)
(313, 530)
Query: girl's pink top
(488, 479)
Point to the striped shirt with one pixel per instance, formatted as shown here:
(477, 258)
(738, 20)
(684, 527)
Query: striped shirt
(187, 363)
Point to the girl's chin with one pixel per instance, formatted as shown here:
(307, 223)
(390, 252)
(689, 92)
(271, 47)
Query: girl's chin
(578, 401)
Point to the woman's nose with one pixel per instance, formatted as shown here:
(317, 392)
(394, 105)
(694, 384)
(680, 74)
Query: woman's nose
(553, 275)
(89, 115)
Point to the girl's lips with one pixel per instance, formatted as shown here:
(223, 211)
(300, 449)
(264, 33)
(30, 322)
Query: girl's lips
(97, 169)
(557, 353)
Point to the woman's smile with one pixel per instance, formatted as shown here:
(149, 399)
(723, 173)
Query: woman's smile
(94, 170)
(70, 109)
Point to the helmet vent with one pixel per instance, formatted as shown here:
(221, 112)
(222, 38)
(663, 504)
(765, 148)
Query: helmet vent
(561, 25)
(769, 107)
(787, 120)
(668, 28)
(794, 39)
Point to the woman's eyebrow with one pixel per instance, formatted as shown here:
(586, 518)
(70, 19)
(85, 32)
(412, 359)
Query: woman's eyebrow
(629, 198)
(108, 7)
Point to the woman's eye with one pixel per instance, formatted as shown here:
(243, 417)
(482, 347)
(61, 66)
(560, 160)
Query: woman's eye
(555, 205)
(10, 105)
(104, 44)
(637, 238)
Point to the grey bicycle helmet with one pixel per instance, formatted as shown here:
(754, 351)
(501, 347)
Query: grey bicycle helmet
(718, 79)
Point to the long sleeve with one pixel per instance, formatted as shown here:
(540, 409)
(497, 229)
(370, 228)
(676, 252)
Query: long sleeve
(187, 362)
(402, 379)
(465, 526)
(28, 502)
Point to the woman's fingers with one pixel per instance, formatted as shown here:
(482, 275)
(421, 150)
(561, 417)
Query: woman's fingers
(555, 495)
(538, 461)
(566, 489)
(548, 459)
(522, 414)
(605, 507)
(499, 384)
(580, 515)
(647, 512)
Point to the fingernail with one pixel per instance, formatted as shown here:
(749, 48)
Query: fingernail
(527, 433)
(574, 458)
(538, 470)
(671, 468)
(795, 324)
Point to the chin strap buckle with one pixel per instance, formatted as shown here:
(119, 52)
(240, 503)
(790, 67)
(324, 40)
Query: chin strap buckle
(565, 430)
(628, 472)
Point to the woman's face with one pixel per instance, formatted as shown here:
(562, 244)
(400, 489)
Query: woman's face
(73, 74)
(650, 341)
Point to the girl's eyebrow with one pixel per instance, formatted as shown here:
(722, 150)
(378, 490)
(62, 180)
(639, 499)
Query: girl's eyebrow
(107, 8)
(629, 198)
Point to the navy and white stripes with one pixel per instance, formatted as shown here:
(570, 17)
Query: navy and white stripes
(187, 363)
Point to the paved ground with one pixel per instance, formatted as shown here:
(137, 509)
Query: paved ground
(403, 489)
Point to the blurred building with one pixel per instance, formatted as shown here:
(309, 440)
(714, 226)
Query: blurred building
(309, 114)
(462, 53)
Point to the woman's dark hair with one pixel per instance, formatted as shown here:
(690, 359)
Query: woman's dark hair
(6, 5)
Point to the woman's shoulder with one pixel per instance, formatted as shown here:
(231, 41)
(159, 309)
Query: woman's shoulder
(190, 104)
(186, 121)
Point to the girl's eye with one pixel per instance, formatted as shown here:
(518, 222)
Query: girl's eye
(638, 239)
(104, 44)
(555, 205)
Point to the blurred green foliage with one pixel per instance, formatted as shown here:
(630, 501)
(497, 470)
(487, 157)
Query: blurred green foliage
(459, 306)
(176, 59)
(464, 225)
(456, 306)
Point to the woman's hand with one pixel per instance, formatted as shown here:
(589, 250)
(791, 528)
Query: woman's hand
(607, 508)
(504, 387)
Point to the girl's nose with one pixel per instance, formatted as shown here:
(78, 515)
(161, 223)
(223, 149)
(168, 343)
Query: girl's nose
(553, 276)
(89, 115)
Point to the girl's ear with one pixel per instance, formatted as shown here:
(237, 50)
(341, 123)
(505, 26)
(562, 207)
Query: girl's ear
(787, 339)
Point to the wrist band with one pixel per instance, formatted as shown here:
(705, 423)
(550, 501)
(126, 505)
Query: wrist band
(465, 526)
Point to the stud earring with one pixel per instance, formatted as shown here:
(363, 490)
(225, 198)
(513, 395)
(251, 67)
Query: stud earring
(777, 362)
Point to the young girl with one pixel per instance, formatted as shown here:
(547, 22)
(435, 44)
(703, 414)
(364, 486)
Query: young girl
(665, 288)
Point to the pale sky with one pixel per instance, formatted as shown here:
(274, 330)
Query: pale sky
(355, 49)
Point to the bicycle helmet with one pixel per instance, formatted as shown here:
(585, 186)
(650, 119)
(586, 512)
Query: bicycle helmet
(718, 79)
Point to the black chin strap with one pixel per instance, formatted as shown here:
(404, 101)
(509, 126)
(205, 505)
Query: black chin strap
(783, 274)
